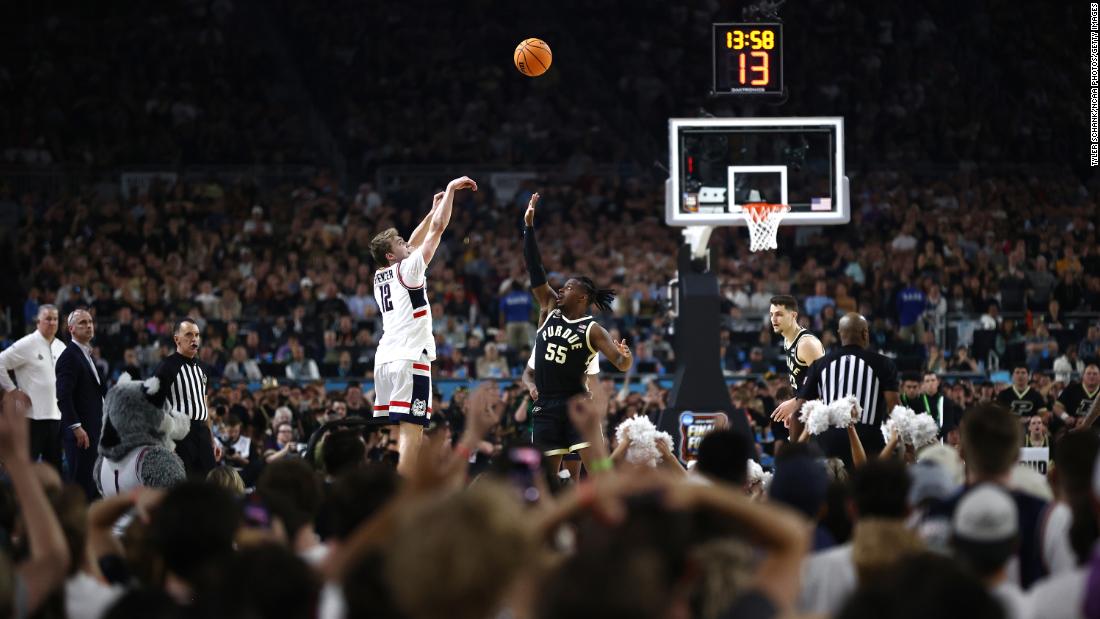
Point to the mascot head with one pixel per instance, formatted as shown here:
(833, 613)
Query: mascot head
(132, 419)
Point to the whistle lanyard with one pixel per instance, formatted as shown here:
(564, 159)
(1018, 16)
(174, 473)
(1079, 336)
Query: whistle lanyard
(939, 409)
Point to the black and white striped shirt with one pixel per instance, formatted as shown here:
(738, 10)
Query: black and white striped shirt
(855, 371)
(182, 386)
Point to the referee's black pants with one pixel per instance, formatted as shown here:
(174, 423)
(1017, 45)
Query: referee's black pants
(46, 441)
(197, 450)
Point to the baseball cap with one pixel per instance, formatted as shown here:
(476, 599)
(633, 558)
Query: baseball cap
(986, 514)
(947, 458)
(930, 481)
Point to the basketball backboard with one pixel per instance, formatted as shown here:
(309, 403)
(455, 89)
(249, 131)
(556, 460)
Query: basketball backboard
(718, 164)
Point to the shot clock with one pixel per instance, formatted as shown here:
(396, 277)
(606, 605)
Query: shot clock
(748, 59)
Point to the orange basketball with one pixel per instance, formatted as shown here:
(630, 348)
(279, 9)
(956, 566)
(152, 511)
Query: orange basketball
(533, 57)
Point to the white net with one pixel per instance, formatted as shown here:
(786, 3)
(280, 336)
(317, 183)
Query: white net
(763, 222)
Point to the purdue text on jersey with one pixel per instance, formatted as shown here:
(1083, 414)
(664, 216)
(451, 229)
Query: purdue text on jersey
(563, 351)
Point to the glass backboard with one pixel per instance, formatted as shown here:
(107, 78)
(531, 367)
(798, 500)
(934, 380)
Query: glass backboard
(718, 164)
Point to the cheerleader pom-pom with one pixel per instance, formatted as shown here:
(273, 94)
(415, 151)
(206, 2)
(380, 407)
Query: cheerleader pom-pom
(818, 417)
(644, 438)
(815, 417)
(916, 430)
(757, 474)
(923, 431)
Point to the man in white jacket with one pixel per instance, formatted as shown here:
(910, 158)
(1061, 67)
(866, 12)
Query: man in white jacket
(32, 359)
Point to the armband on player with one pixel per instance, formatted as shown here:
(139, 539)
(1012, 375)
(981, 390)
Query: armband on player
(535, 271)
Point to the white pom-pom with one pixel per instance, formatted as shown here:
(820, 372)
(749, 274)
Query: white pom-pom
(818, 417)
(125, 378)
(151, 385)
(757, 475)
(888, 428)
(913, 429)
(754, 469)
(851, 403)
(814, 417)
(643, 437)
(923, 431)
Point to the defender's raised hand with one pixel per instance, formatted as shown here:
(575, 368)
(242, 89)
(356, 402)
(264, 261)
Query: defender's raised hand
(529, 215)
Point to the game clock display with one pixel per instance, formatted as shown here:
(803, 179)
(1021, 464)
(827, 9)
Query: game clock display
(748, 59)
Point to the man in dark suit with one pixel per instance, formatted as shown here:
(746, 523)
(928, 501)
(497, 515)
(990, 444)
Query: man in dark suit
(80, 393)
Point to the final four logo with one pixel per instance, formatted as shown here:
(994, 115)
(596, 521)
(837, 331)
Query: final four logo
(693, 427)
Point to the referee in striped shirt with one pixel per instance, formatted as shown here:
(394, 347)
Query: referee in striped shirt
(853, 370)
(183, 388)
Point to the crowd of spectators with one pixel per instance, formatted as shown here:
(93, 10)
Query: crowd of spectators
(329, 529)
(279, 281)
(963, 270)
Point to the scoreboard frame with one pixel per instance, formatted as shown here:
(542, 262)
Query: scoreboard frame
(752, 50)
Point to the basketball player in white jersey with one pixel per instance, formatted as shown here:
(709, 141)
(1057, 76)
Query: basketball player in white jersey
(402, 363)
(801, 347)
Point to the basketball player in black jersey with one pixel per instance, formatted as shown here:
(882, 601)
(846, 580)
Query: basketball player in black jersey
(565, 343)
(802, 348)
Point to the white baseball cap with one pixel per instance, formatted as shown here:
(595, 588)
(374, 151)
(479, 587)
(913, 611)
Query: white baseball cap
(986, 513)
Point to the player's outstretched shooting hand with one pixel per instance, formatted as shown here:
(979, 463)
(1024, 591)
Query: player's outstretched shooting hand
(529, 216)
(464, 182)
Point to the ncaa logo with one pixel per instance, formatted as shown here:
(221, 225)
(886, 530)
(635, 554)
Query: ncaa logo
(419, 406)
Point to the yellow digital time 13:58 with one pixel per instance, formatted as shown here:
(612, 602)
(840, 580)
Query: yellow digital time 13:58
(748, 59)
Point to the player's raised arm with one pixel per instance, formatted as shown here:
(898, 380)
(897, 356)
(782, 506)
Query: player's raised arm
(421, 231)
(442, 216)
(544, 295)
(618, 353)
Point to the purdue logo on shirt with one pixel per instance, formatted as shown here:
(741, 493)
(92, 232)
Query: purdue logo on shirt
(1022, 408)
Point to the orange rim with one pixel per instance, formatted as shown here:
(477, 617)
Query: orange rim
(761, 210)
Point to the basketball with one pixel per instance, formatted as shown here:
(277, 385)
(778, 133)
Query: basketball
(533, 57)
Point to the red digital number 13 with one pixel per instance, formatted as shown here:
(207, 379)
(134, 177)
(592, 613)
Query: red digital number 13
(762, 69)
